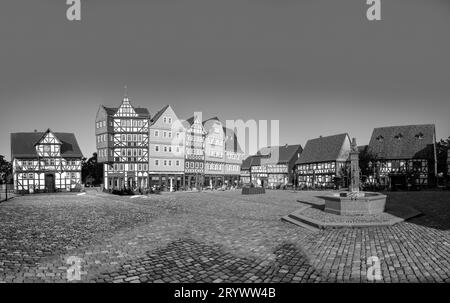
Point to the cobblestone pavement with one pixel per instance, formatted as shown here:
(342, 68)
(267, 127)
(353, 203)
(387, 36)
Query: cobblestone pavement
(213, 237)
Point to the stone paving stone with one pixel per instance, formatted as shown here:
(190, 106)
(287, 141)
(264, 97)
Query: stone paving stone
(216, 237)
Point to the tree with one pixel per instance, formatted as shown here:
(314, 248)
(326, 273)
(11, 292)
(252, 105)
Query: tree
(91, 170)
(5, 170)
(441, 153)
(367, 163)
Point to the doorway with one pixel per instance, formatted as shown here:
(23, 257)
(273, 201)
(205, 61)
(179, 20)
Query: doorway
(50, 183)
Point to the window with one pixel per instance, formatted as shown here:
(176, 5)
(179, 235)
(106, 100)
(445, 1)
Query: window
(170, 120)
(156, 147)
(170, 149)
(135, 137)
(177, 163)
(131, 166)
(156, 162)
(145, 167)
(170, 134)
(165, 120)
(129, 138)
(170, 163)
(156, 133)
(140, 138)
(165, 134)
(165, 162)
(165, 149)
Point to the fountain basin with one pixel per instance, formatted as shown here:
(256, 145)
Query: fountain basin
(360, 203)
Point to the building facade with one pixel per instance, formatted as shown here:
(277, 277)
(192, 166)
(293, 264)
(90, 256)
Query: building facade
(122, 136)
(246, 169)
(214, 153)
(167, 136)
(323, 161)
(45, 162)
(233, 158)
(194, 162)
(403, 156)
(278, 162)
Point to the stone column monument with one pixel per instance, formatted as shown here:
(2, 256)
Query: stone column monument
(354, 167)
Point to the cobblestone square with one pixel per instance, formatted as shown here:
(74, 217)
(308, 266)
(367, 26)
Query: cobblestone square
(213, 237)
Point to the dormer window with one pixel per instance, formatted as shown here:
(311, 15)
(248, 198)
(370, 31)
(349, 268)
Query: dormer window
(380, 138)
(419, 136)
(398, 136)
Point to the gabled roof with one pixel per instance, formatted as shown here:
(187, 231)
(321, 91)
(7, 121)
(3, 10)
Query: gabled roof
(250, 161)
(159, 114)
(323, 149)
(284, 153)
(140, 111)
(23, 145)
(403, 142)
(231, 141)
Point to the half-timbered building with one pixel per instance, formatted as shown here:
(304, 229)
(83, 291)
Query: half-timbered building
(214, 152)
(233, 158)
(167, 135)
(322, 161)
(278, 163)
(404, 156)
(122, 136)
(194, 162)
(45, 162)
(246, 169)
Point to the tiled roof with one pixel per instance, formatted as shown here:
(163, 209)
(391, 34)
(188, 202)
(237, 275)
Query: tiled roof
(285, 153)
(23, 144)
(323, 149)
(231, 141)
(250, 161)
(141, 112)
(158, 114)
(403, 142)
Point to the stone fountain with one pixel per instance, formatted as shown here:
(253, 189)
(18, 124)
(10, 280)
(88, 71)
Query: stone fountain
(354, 201)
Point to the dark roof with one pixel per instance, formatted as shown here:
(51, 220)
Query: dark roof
(231, 141)
(285, 153)
(158, 114)
(23, 144)
(250, 161)
(403, 142)
(141, 112)
(363, 148)
(323, 149)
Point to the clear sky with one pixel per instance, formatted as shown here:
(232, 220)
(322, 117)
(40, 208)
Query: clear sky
(318, 66)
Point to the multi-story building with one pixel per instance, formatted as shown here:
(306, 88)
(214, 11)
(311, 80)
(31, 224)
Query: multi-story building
(272, 166)
(322, 161)
(194, 162)
(278, 163)
(45, 162)
(122, 136)
(404, 156)
(246, 169)
(167, 135)
(233, 158)
(214, 152)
